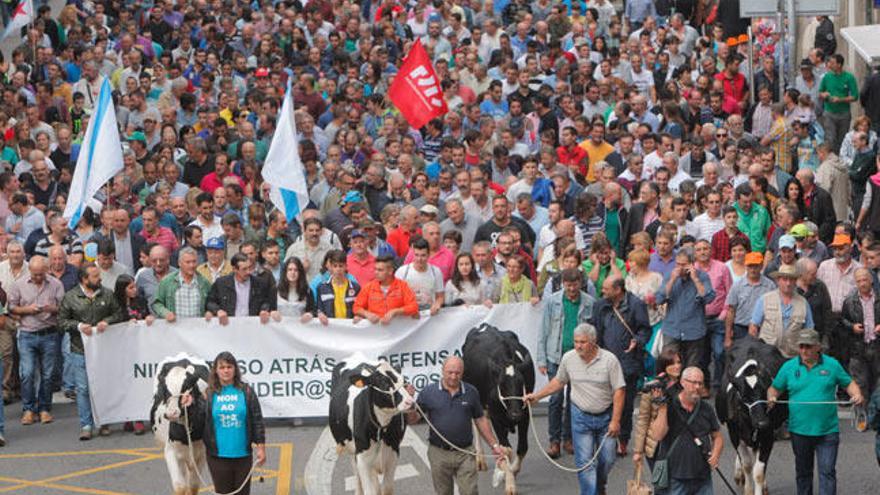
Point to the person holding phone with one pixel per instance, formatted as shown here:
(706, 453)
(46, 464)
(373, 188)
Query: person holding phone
(35, 300)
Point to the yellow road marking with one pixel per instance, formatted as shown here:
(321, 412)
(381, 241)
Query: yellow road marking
(285, 465)
(27, 484)
(282, 474)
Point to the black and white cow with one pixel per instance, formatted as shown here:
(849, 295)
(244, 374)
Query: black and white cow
(177, 376)
(366, 403)
(750, 367)
(499, 367)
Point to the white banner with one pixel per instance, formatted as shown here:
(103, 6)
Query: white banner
(288, 363)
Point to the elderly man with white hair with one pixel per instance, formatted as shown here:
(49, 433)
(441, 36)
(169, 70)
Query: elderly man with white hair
(597, 404)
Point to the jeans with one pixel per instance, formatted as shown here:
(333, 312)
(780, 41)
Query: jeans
(690, 487)
(558, 417)
(37, 363)
(714, 351)
(81, 380)
(64, 372)
(588, 431)
(824, 449)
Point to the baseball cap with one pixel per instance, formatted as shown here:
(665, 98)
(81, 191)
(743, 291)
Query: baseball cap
(262, 72)
(215, 243)
(841, 240)
(786, 241)
(754, 258)
(800, 231)
(352, 197)
(138, 136)
(358, 233)
(429, 210)
(808, 336)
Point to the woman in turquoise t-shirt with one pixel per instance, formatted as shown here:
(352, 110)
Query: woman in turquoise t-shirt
(235, 435)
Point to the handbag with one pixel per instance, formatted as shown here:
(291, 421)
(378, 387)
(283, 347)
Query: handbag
(660, 473)
(636, 486)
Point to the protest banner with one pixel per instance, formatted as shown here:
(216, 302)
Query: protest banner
(288, 363)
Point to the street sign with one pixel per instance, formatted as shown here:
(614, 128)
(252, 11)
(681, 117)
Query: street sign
(809, 8)
(758, 8)
(802, 8)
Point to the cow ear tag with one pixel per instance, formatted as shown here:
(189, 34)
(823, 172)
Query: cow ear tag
(359, 384)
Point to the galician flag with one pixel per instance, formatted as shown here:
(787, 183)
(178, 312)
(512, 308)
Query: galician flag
(21, 17)
(100, 157)
(283, 169)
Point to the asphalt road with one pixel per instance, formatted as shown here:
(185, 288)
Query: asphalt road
(49, 460)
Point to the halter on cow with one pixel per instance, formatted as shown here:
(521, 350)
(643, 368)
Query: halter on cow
(177, 376)
(502, 371)
(741, 404)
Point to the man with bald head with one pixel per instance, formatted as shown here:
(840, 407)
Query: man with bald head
(451, 406)
(820, 206)
(148, 280)
(460, 220)
(35, 300)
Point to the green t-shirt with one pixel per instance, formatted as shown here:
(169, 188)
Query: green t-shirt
(814, 385)
(840, 85)
(569, 321)
(604, 270)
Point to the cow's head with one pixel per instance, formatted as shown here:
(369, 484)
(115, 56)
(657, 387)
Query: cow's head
(176, 379)
(385, 380)
(510, 386)
(750, 384)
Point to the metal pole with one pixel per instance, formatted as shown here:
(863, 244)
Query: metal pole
(793, 43)
(751, 66)
(780, 24)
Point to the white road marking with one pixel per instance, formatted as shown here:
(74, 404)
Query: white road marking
(402, 472)
(318, 474)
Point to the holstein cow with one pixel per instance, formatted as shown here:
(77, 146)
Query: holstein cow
(366, 403)
(750, 367)
(500, 367)
(179, 375)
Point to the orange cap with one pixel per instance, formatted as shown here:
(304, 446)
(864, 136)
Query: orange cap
(731, 42)
(743, 38)
(841, 240)
(754, 258)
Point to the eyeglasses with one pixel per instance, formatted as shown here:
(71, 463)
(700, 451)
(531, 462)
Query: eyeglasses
(721, 134)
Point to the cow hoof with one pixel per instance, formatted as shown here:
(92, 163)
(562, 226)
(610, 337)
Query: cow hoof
(481, 464)
(510, 491)
(497, 477)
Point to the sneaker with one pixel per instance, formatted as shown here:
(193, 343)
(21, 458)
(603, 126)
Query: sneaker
(104, 431)
(46, 418)
(2, 440)
(861, 419)
(139, 428)
(28, 418)
(85, 433)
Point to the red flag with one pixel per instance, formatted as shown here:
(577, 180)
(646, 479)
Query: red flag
(416, 91)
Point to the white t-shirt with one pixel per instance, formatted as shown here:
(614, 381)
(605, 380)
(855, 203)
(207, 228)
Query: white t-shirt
(643, 81)
(426, 285)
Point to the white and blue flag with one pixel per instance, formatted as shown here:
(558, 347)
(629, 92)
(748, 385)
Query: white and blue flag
(283, 169)
(100, 157)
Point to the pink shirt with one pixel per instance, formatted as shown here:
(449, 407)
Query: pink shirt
(164, 237)
(840, 283)
(721, 281)
(442, 259)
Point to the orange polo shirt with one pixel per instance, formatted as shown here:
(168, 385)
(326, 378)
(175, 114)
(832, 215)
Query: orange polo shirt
(373, 299)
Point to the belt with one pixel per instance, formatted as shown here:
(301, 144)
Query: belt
(42, 331)
(446, 446)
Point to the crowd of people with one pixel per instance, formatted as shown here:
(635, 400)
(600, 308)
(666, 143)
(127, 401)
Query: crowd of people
(619, 166)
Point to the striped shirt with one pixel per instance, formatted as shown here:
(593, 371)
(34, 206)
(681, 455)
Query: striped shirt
(706, 227)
